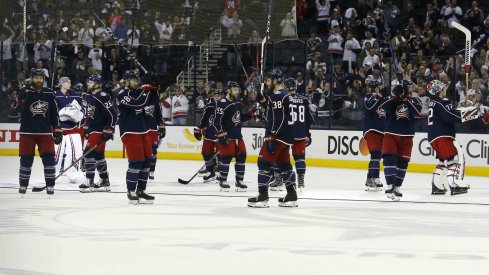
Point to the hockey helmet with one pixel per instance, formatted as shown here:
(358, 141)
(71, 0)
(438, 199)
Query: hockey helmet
(211, 85)
(434, 87)
(374, 83)
(130, 75)
(275, 74)
(290, 84)
(232, 84)
(37, 72)
(96, 78)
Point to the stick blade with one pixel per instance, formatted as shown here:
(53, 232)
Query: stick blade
(38, 188)
(183, 181)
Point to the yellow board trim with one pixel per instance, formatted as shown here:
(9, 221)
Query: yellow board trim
(331, 163)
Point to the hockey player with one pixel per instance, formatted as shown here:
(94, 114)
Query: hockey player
(206, 124)
(442, 119)
(373, 133)
(154, 119)
(39, 125)
(227, 123)
(133, 130)
(397, 144)
(71, 117)
(275, 149)
(302, 119)
(100, 121)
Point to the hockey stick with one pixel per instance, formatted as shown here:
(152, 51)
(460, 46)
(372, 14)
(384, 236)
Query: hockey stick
(24, 51)
(196, 173)
(42, 188)
(124, 48)
(240, 61)
(468, 38)
(264, 47)
(133, 27)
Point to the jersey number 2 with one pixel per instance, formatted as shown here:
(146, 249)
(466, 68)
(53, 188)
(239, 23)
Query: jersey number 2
(430, 116)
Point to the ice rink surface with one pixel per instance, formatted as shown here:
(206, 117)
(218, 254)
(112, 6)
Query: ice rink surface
(338, 228)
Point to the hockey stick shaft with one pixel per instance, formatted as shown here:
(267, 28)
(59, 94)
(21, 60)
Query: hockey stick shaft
(196, 173)
(468, 39)
(124, 47)
(42, 188)
(264, 46)
(240, 61)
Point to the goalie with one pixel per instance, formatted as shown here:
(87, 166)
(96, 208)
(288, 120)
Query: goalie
(71, 116)
(442, 118)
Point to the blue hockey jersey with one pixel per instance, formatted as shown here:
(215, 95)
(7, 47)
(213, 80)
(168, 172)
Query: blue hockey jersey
(373, 116)
(64, 100)
(100, 113)
(400, 115)
(301, 116)
(132, 118)
(279, 120)
(442, 119)
(38, 111)
(207, 120)
(154, 117)
(229, 118)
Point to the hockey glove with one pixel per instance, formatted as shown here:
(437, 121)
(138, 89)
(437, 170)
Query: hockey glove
(108, 133)
(58, 136)
(485, 118)
(223, 138)
(161, 131)
(308, 139)
(271, 144)
(86, 133)
(198, 133)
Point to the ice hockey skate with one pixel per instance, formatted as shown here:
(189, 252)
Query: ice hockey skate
(437, 191)
(151, 176)
(457, 190)
(300, 182)
(50, 190)
(240, 186)
(22, 191)
(373, 185)
(144, 198)
(87, 187)
(277, 184)
(224, 186)
(133, 197)
(260, 201)
(394, 193)
(209, 177)
(103, 185)
(290, 200)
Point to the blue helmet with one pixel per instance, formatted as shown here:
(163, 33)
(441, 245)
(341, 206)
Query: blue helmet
(232, 84)
(211, 84)
(130, 75)
(275, 74)
(96, 78)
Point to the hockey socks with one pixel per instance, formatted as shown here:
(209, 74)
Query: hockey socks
(25, 170)
(300, 164)
(132, 175)
(240, 167)
(390, 169)
(90, 165)
(102, 168)
(224, 168)
(402, 165)
(152, 167)
(143, 175)
(374, 164)
(49, 169)
(264, 174)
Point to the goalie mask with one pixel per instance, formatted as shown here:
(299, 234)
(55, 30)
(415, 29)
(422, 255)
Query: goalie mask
(434, 87)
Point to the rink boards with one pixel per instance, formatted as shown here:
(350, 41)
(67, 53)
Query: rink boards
(330, 148)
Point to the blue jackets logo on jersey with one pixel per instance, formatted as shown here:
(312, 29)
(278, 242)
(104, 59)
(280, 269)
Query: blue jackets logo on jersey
(39, 108)
(236, 118)
(90, 111)
(149, 110)
(402, 111)
(380, 112)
